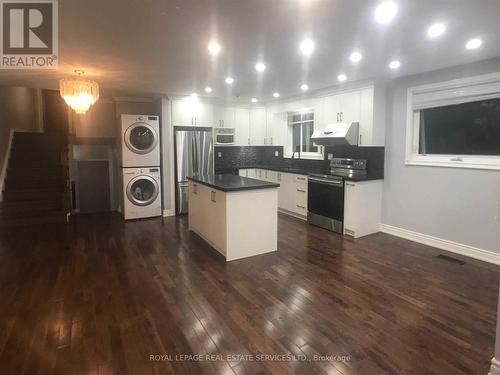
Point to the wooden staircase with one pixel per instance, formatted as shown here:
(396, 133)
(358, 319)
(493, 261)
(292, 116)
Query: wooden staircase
(35, 189)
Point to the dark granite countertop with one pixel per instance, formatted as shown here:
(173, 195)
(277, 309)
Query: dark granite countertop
(231, 182)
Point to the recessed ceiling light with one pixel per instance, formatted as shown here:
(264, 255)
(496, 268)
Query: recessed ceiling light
(341, 77)
(254, 100)
(307, 47)
(276, 95)
(208, 90)
(229, 80)
(260, 67)
(395, 64)
(214, 48)
(474, 43)
(385, 12)
(436, 30)
(355, 57)
(304, 87)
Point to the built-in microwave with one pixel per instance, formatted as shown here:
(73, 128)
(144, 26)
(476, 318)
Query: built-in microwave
(223, 136)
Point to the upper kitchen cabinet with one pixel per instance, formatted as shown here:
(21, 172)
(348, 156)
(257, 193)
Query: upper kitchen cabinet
(371, 128)
(224, 117)
(353, 106)
(276, 128)
(241, 127)
(258, 127)
(191, 112)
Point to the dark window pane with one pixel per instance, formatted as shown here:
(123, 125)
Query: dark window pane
(296, 138)
(461, 129)
(307, 143)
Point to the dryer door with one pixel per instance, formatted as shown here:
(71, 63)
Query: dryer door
(142, 190)
(141, 138)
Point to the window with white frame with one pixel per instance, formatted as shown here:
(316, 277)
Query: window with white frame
(455, 124)
(300, 129)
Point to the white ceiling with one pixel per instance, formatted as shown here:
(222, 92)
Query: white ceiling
(139, 47)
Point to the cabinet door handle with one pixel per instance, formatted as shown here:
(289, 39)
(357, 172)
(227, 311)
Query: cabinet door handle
(222, 121)
(337, 117)
(301, 178)
(349, 184)
(300, 206)
(271, 140)
(360, 139)
(212, 196)
(341, 116)
(195, 189)
(264, 140)
(279, 176)
(301, 191)
(266, 174)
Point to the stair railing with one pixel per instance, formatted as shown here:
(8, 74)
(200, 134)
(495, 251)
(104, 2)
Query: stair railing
(5, 163)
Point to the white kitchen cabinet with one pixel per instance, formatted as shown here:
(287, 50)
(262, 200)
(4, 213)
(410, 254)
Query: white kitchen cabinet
(292, 193)
(258, 127)
(350, 106)
(366, 124)
(224, 117)
(340, 108)
(241, 127)
(362, 207)
(330, 111)
(276, 128)
(191, 112)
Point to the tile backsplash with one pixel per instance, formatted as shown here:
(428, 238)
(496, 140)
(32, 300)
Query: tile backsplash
(234, 157)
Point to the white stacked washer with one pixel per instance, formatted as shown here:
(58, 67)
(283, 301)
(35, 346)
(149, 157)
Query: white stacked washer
(140, 161)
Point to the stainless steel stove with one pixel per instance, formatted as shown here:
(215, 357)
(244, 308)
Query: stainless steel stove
(325, 200)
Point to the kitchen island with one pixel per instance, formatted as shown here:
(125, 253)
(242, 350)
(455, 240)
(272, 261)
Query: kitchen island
(237, 216)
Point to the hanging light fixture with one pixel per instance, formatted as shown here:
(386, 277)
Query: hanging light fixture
(79, 93)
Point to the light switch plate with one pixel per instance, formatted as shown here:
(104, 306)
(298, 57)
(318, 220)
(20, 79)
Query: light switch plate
(219, 154)
(276, 153)
(330, 156)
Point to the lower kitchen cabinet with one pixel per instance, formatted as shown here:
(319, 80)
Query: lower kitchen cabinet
(362, 207)
(292, 193)
(211, 203)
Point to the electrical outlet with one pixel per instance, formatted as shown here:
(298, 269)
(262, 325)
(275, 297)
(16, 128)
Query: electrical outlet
(219, 154)
(276, 153)
(330, 156)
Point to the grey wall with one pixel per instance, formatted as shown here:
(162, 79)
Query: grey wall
(17, 110)
(454, 204)
(167, 154)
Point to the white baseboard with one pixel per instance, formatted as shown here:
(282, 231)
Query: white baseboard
(440, 243)
(168, 212)
(289, 213)
(495, 367)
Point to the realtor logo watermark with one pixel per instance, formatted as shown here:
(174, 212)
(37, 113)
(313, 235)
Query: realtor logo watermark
(29, 34)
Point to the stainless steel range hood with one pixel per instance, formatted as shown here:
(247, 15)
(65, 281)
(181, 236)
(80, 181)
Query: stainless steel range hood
(337, 134)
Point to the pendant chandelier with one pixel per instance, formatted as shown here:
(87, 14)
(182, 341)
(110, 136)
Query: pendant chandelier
(79, 93)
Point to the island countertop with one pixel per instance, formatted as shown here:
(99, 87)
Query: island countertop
(230, 182)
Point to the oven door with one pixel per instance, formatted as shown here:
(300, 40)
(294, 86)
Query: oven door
(325, 203)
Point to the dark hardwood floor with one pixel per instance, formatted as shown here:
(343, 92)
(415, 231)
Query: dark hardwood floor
(100, 296)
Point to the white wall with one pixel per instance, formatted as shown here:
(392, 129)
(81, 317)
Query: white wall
(167, 154)
(454, 204)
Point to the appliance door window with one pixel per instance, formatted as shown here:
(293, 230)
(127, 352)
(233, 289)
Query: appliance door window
(142, 190)
(326, 200)
(141, 138)
(225, 139)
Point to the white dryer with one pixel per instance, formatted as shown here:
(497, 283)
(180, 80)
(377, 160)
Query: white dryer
(141, 192)
(140, 141)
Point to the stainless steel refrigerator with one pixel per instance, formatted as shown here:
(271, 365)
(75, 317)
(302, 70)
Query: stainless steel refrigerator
(194, 153)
